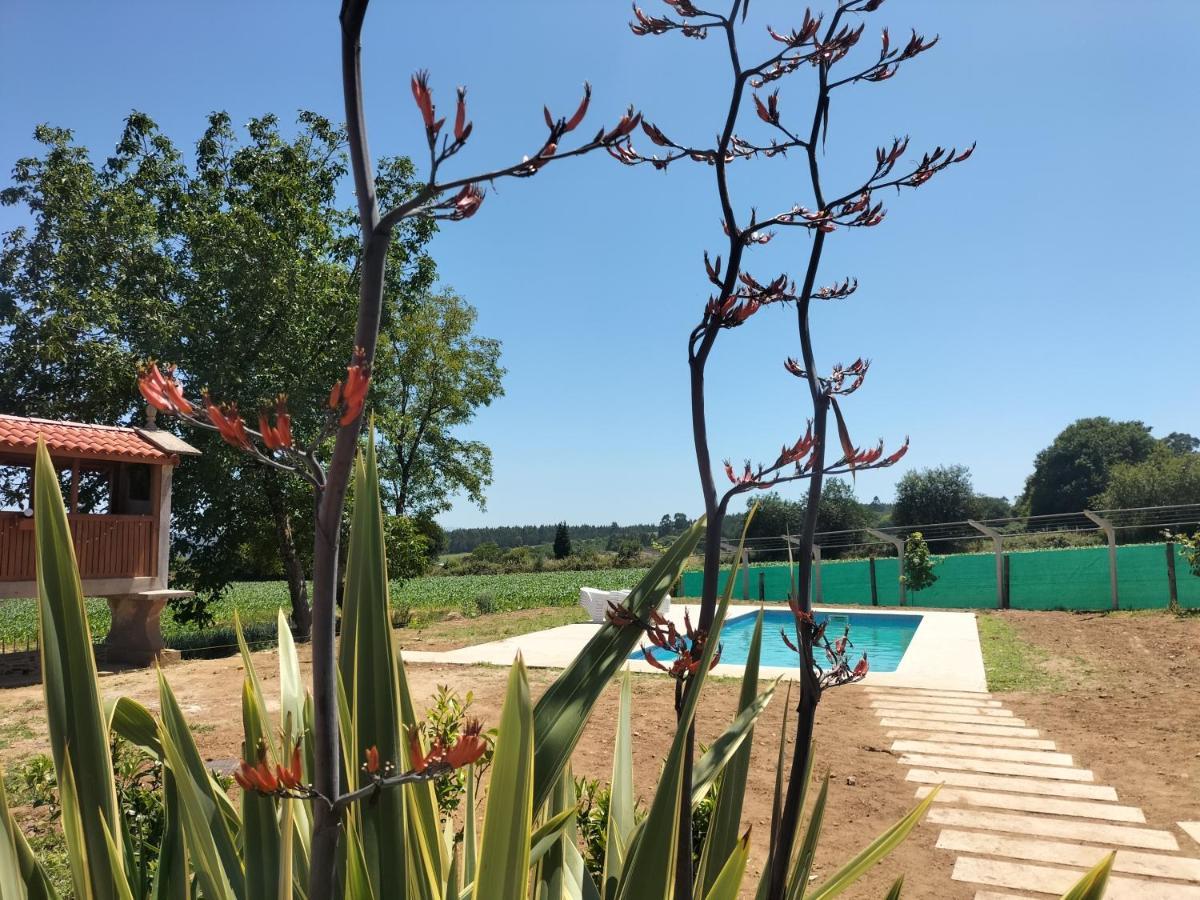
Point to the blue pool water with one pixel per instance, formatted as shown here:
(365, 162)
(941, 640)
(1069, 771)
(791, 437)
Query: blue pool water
(884, 637)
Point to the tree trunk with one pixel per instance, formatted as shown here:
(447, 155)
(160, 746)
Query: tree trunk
(293, 568)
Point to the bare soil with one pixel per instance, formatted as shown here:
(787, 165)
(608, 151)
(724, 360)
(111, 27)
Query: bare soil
(1127, 706)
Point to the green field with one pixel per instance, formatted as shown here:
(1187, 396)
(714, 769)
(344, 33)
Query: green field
(257, 602)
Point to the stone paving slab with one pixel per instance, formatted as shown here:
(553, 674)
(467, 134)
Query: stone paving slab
(941, 708)
(1042, 826)
(1008, 754)
(925, 693)
(1014, 784)
(1193, 830)
(960, 727)
(1131, 862)
(979, 740)
(1048, 880)
(996, 895)
(994, 767)
(1053, 806)
(962, 719)
(907, 700)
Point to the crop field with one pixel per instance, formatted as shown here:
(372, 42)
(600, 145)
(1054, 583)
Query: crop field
(256, 602)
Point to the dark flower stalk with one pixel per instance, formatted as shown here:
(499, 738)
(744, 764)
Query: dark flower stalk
(812, 47)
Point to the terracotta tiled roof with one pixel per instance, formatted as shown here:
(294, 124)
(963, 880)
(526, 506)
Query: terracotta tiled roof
(66, 439)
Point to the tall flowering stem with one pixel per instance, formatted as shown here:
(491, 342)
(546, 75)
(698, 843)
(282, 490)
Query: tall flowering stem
(824, 49)
(273, 444)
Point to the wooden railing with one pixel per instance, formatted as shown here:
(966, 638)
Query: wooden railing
(105, 546)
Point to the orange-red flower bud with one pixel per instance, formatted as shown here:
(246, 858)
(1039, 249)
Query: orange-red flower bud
(469, 747)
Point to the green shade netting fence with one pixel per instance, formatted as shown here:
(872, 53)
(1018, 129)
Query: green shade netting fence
(1075, 578)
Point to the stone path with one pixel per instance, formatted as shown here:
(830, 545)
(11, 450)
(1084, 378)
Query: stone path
(1023, 818)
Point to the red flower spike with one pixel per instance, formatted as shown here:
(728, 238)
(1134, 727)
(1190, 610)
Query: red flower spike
(283, 421)
(244, 776)
(173, 393)
(462, 127)
(466, 202)
(469, 747)
(844, 435)
(421, 93)
(898, 455)
(153, 395)
(862, 668)
(418, 760)
(761, 109)
(267, 432)
(335, 396)
(788, 641)
(581, 111)
(372, 764)
(650, 658)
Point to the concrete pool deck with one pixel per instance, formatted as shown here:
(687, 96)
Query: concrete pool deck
(944, 653)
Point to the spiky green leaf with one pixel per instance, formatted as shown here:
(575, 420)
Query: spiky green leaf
(564, 708)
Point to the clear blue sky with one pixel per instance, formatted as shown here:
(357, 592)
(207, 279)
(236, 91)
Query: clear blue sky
(1051, 277)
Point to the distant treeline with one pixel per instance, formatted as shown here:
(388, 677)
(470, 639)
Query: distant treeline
(464, 540)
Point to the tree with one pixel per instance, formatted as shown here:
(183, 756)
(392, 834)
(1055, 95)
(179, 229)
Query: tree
(562, 541)
(918, 566)
(1075, 467)
(664, 525)
(1165, 478)
(241, 263)
(436, 373)
(984, 507)
(938, 494)
(778, 516)
(816, 47)
(1180, 443)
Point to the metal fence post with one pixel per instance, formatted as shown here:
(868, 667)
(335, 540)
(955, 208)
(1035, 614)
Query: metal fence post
(762, 586)
(998, 547)
(898, 543)
(874, 587)
(1111, 534)
(1007, 581)
(1172, 587)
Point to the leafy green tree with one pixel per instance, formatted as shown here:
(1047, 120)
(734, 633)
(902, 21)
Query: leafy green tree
(777, 516)
(562, 541)
(240, 265)
(486, 552)
(918, 565)
(984, 507)
(1165, 478)
(1180, 443)
(1075, 467)
(436, 373)
(938, 494)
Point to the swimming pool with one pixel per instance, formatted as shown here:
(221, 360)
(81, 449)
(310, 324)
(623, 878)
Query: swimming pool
(883, 636)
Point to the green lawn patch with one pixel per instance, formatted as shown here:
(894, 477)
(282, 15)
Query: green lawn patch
(423, 599)
(1011, 662)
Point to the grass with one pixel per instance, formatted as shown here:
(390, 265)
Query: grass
(427, 599)
(1011, 662)
(455, 631)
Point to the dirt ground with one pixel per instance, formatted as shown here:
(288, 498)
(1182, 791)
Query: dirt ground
(1140, 733)
(1128, 707)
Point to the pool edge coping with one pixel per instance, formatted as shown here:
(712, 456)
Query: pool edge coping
(944, 652)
